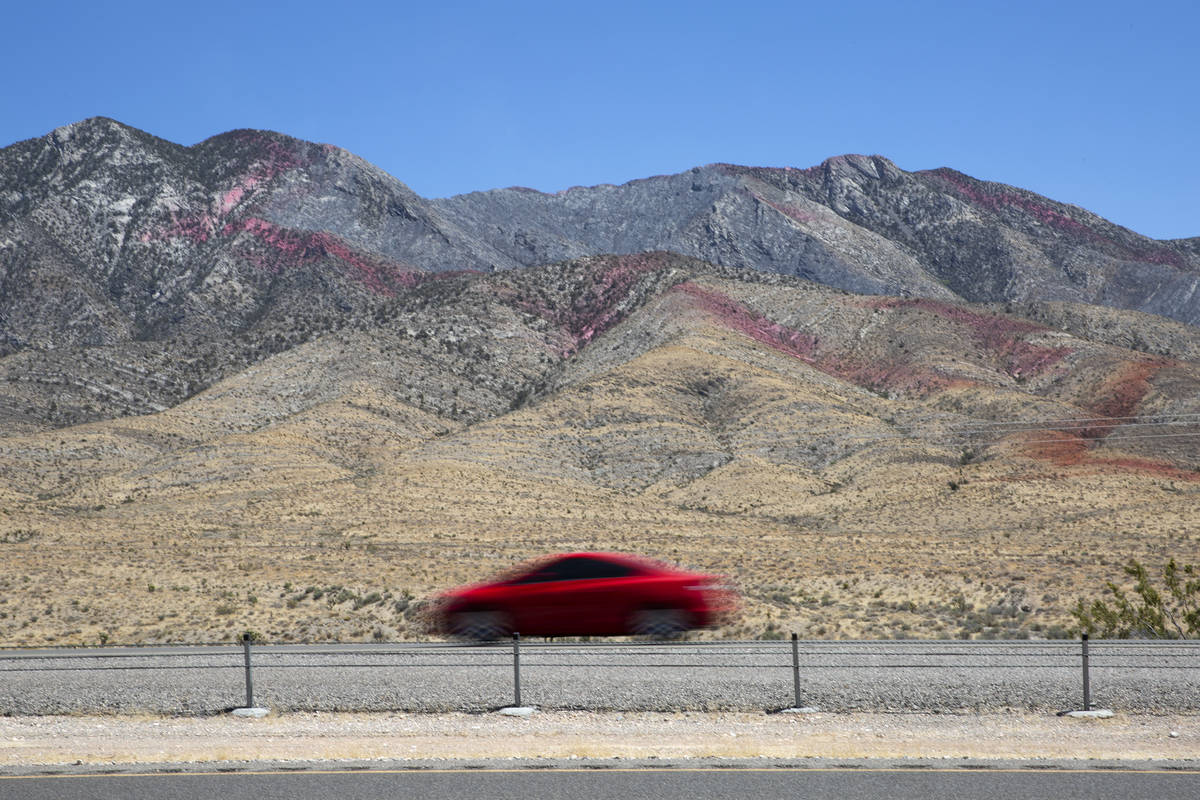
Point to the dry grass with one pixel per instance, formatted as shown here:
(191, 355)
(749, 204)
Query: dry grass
(707, 451)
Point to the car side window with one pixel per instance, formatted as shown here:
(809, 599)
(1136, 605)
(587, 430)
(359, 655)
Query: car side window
(583, 568)
(576, 569)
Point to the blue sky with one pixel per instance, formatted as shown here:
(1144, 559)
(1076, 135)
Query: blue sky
(1093, 103)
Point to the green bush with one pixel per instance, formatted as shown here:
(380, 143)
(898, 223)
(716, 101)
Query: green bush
(1172, 612)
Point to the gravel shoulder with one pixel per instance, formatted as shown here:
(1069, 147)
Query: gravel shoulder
(851, 677)
(29, 744)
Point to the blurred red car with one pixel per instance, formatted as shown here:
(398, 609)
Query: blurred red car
(585, 594)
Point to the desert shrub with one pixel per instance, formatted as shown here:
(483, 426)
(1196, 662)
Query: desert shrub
(1172, 612)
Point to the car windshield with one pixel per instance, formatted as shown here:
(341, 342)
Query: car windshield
(521, 569)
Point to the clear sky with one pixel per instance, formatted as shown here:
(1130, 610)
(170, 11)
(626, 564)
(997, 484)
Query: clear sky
(1094, 103)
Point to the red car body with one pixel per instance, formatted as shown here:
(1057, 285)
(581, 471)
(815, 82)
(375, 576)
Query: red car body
(585, 594)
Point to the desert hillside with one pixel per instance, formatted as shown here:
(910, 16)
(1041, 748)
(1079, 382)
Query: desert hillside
(860, 465)
(259, 384)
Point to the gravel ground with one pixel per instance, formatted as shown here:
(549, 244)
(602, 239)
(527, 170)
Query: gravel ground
(28, 744)
(1156, 678)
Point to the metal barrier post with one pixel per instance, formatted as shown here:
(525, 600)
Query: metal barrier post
(517, 669)
(1087, 682)
(249, 677)
(795, 671)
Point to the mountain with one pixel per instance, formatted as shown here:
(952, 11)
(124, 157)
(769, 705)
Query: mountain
(141, 238)
(197, 261)
(258, 383)
(858, 223)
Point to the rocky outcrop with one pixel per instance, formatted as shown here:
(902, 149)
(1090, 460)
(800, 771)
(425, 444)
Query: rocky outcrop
(135, 272)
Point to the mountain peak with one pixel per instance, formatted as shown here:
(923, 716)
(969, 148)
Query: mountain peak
(92, 125)
(873, 166)
(122, 203)
(97, 129)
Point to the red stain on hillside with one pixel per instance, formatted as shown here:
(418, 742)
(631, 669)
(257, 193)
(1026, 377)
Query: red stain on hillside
(736, 316)
(1121, 394)
(601, 306)
(303, 247)
(789, 211)
(232, 197)
(285, 247)
(1057, 447)
(277, 157)
(896, 374)
(1145, 465)
(1073, 450)
(997, 199)
(1000, 335)
(274, 159)
(877, 375)
(1115, 403)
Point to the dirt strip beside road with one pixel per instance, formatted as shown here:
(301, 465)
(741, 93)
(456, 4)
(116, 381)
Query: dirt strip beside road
(30, 741)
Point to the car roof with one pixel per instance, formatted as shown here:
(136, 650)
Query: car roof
(626, 558)
(640, 562)
(606, 555)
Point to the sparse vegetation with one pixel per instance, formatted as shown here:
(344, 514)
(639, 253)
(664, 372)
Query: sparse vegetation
(1170, 610)
(295, 502)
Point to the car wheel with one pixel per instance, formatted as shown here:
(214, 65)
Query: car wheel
(659, 623)
(480, 626)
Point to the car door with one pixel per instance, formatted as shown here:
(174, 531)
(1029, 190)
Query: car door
(532, 600)
(590, 597)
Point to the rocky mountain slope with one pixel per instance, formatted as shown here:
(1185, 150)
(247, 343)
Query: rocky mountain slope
(857, 223)
(257, 383)
(135, 237)
(196, 262)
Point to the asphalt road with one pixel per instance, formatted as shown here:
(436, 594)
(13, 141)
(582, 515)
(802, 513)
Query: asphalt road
(834, 676)
(673, 784)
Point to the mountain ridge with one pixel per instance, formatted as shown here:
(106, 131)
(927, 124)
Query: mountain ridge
(258, 364)
(302, 187)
